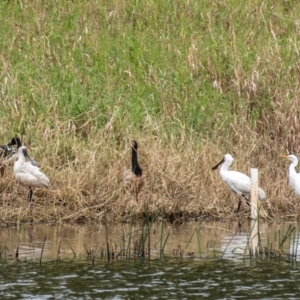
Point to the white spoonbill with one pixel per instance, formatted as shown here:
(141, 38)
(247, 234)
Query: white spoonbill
(294, 177)
(28, 174)
(133, 179)
(238, 182)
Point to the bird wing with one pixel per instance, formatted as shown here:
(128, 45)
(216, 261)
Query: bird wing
(127, 177)
(261, 194)
(297, 184)
(133, 182)
(29, 167)
(34, 171)
(238, 182)
(27, 179)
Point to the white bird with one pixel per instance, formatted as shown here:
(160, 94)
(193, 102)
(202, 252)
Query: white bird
(28, 174)
(238, 182)
(133, 179)
(294, 177)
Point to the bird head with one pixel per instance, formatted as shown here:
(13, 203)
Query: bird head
(15, 141)
(227, 158)
(290, 157)
(134, 145)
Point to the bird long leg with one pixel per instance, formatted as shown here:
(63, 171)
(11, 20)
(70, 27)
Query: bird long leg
(247, 202)
(240, 202)
(239, 205)
(30, 194)
(2, 169)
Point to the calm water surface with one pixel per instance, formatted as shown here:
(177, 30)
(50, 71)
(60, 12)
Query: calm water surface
(205, 275)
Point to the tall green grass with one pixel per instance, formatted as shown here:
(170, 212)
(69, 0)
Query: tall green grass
(191, 65)
(92, 74)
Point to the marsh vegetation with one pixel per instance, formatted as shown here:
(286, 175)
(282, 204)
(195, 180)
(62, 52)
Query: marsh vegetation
(189, 80)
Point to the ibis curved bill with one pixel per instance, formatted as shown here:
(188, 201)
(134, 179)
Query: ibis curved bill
(28, 174)
(294, 177)
(133, 179)
(238, 182)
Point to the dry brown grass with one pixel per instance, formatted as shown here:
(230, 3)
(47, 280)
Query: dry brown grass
(86, 173)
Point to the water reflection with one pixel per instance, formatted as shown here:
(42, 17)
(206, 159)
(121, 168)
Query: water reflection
(234, 244)
(65, 275)
(206, 240)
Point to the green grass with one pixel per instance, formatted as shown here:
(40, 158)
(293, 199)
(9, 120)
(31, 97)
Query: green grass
(157, 59)
(98, 73)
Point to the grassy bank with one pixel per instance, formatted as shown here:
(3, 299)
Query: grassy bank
(189, 80)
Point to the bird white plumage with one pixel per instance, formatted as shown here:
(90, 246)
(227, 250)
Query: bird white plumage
(238, 182)
(294, 177)
(28, 174)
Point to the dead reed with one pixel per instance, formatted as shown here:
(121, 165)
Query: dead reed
(79, 81)
(149, 240)
(179, 183)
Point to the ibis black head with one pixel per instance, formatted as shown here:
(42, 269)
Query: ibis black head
(15, 141)
(134, 145)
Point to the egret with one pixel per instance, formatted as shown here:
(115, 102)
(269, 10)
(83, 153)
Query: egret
(133, 179)
(238, 182)
(294, 177)
(28, 174)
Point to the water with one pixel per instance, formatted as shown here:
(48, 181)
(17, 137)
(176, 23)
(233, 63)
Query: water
(61, 275)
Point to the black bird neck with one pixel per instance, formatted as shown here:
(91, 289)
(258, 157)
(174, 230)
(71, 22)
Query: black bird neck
(136, 169)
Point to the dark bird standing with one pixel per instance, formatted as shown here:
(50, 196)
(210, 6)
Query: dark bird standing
(8, 153)
(133, 179)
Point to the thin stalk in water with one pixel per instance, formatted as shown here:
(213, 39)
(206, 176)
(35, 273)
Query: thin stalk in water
(43, 249)
(71, 247)
(163, 248)
(190, 238)
(106, 237)
(198, 240)
(161, 235)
